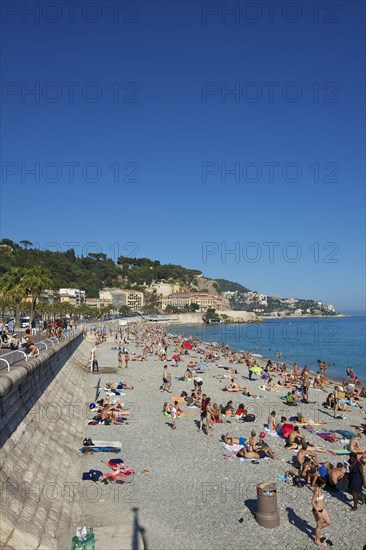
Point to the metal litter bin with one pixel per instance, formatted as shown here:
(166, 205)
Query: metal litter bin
(267, 510)
(87, 544)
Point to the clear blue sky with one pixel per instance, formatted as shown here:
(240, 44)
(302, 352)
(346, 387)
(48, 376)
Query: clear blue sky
(173, 62)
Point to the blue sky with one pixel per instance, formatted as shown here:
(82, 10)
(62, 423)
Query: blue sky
(149, 97)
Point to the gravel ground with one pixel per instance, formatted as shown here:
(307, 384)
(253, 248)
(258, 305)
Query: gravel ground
(191, 496)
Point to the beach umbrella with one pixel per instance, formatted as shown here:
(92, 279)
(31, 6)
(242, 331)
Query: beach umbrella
(186, 344)
(256, 369)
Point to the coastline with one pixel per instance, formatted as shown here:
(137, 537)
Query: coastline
(304, 350)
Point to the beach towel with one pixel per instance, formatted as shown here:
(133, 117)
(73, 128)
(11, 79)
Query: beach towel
(340, 452)
(271, 433)
(115, 463)
(233, 448)
(346, 433)
(102, 447)
(327, 436)
(254, 460)
(249, 396)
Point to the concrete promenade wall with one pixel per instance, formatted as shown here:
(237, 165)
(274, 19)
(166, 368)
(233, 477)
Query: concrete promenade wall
(27, 380)
(45, 420)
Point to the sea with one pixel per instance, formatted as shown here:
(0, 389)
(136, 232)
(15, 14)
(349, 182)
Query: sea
(341, 341)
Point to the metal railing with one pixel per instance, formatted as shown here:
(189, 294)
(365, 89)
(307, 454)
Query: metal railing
(13, 357)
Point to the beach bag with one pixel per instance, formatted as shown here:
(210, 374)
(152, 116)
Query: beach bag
(249, 418)
(93, 475)
(298, 481)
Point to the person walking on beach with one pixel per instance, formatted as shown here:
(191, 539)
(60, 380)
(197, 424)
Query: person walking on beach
(167, 380)
(173, 414)
(356, 479)
(203, 411)
(120, 358)
(127, 358)
(320, 513)
(209, 414)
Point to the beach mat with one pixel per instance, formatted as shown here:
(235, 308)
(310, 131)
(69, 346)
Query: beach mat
(327, 436)
(102, 447)
(346, 434)
(340, 452)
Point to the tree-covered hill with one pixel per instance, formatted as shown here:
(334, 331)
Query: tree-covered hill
(94, 271)
(229, 286)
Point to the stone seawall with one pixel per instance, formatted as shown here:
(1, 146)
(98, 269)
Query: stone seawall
(27, 380)
(43, 403)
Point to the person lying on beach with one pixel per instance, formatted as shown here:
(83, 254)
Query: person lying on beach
(234, 387)
(246, 392)
(302, 420)
(354, 445)
(260, 453)
(233, 440)
(121, 385)
(116, 418)
(230, 370)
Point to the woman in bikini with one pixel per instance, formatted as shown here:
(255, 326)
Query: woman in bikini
(320, 513)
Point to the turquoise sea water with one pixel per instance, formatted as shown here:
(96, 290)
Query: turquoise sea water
(341, 342)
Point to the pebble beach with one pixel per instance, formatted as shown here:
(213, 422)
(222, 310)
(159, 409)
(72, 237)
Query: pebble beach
(188, 490)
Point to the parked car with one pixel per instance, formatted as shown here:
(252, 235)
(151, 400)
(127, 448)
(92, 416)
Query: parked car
(24, 322)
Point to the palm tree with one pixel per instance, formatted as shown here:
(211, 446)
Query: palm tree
(13, 289)
(36, 279)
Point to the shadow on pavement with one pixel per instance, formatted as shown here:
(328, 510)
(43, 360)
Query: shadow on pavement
(138, 530)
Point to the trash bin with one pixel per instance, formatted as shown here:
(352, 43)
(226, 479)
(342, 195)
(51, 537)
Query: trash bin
(267, 511)
(87, 544)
